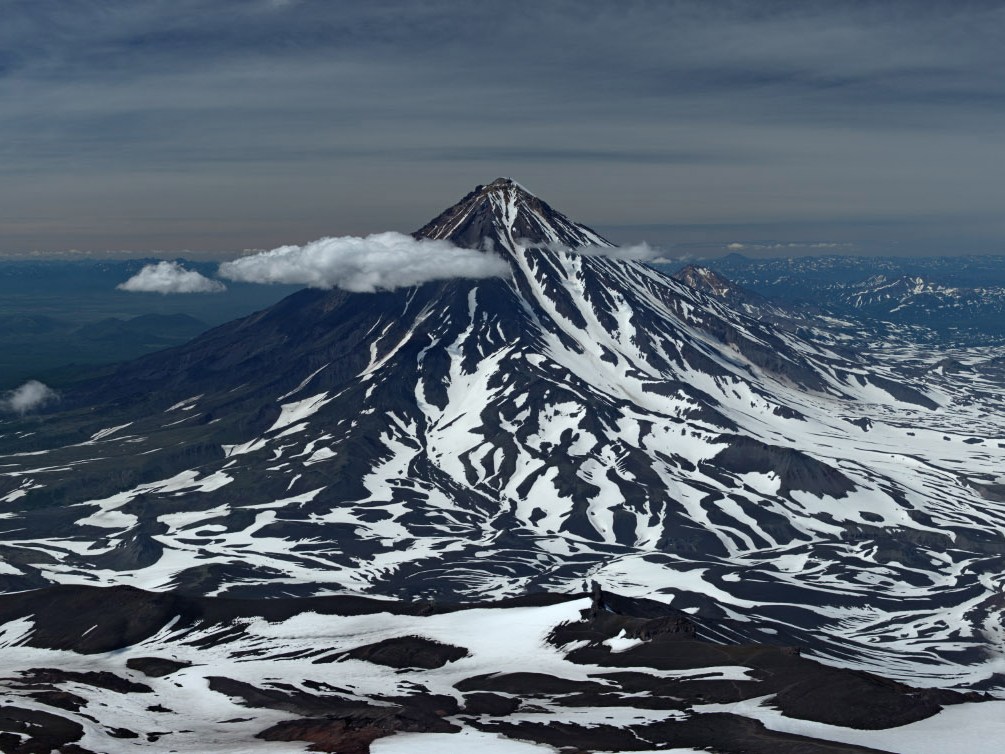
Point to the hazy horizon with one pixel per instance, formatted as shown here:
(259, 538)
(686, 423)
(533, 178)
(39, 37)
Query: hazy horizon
(209, 128)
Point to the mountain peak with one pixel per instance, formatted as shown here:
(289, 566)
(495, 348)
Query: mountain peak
(507, 183)
(704, 279)
(504, 215)
(508, 186)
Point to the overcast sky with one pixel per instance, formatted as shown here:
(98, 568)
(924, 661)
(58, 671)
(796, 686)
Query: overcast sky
(213, 126)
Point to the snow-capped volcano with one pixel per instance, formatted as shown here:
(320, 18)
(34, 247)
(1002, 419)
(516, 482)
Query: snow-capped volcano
(584, 417)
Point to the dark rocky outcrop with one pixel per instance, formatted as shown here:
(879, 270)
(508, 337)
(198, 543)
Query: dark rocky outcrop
(101, 679)
(408, 652)
(723, 733)
(352, 733)
(155, 667)
(28, 731)
(796, 470)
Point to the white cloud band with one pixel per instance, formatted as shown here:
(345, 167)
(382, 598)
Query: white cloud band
(383, 261)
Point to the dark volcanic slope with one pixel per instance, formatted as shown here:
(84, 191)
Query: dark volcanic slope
(582, 417)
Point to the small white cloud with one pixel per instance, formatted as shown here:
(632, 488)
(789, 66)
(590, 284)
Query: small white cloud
(775, 245)
(641, 252)
(31, 395)
(170, 277)
(383, 261)
(679, 259)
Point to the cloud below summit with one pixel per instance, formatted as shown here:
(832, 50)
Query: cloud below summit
(170, 277)
(29, 396)
(382, 261)
(641, 252)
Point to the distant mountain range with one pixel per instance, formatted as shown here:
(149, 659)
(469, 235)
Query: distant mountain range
(960, 300)
(61, 317)
(45, 346)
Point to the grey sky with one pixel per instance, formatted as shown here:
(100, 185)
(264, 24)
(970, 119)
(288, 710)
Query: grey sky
(215, 126)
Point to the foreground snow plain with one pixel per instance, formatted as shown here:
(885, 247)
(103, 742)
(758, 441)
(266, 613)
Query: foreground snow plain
(227, 684)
